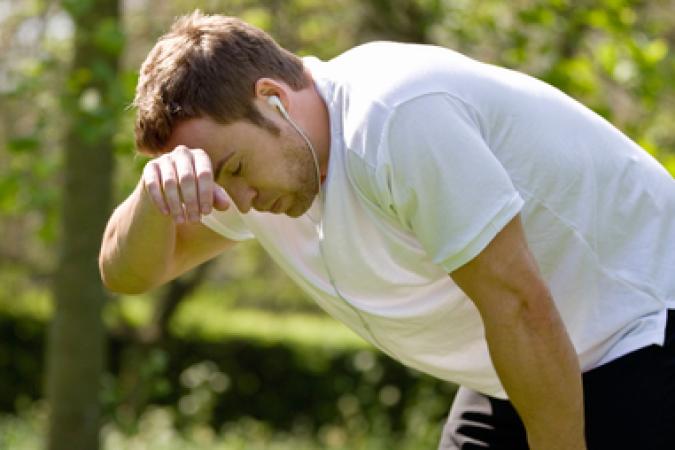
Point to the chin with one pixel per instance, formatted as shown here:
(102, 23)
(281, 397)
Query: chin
(297, 209)
(295, 212)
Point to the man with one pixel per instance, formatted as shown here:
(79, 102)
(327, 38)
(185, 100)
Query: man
(470, 221)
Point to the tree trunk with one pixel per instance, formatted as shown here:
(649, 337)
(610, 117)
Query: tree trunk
(75, 347)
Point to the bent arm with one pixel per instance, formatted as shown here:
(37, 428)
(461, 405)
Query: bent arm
(143, 248)
(529, 346)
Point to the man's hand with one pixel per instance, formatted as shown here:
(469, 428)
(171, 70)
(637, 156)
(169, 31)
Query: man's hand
(181, 184)
(155, 235)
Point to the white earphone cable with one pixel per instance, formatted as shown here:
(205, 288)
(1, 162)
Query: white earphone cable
(319, 225)
(314, 157)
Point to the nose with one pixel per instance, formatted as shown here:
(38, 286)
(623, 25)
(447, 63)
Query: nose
(242, 195)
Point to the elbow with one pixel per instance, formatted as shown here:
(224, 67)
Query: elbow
(118, 287)
(117, 283)
(532, 305)
(124, 287)
(537, 308)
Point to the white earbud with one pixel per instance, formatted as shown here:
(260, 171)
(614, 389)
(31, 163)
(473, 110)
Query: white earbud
(275, 102)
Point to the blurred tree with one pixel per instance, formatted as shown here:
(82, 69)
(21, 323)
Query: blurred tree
(91, 102)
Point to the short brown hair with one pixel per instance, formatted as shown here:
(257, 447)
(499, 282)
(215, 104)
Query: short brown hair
(207, 65)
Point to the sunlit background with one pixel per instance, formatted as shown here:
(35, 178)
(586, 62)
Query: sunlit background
(232, 355)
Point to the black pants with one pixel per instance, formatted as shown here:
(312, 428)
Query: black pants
(629, 404)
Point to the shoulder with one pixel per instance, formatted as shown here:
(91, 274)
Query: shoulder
(376, 81)
(385, 86)
(409, 143)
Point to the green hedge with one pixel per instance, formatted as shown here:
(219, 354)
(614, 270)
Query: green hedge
(289, 386)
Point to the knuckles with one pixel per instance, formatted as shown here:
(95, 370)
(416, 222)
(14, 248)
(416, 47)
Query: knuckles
(204, 176)
(199, 153)
(169, 181)
(167, 174)
(187, 178)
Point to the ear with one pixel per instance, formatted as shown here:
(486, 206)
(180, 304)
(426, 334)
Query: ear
(266, 87)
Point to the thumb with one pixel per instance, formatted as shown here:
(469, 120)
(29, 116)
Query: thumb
(221, 201)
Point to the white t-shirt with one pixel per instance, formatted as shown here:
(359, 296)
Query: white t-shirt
(431, 154)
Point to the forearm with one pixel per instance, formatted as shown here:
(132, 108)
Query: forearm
(528, 343)
(138, 245)
(539, 369)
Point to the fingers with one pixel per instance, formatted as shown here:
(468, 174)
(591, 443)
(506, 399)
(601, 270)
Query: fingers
(187, 182)
(205, 185)
(220, 199)
(152, 181)
(172, 196)
(181, 184)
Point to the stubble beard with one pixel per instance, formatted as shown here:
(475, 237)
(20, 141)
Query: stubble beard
(302, 169)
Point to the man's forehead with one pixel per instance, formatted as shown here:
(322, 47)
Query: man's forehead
(193, 133)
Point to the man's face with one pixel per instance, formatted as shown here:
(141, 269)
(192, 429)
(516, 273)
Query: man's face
(257, 169)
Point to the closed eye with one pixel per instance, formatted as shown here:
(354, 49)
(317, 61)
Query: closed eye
(237, 171)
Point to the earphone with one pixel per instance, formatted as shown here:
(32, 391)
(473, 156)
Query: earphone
(275, 102)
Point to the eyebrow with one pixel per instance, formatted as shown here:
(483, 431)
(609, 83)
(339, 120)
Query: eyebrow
(221, 163)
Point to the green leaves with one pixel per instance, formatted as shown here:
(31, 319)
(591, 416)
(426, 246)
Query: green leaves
(23, 144)
(108, 37)
(79, 8)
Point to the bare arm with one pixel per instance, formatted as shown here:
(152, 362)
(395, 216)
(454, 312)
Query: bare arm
(155, 234)
(528, 343)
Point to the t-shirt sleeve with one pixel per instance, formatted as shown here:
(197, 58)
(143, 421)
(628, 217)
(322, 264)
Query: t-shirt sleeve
(446, 185)
(228, 224)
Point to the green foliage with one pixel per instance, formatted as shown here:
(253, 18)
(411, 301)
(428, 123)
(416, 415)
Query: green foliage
(109, 38)
(25, 431)
(615, 56)
(211, 316)
(156, 431)
(29, 124)
(340, 396)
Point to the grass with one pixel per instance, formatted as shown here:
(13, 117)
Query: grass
(156, 431)
(206, 319)
(208, 316)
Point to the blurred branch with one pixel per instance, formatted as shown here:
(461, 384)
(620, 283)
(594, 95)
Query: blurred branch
(38, 273)
(165, 306)
(136, 384)
(177, 291)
